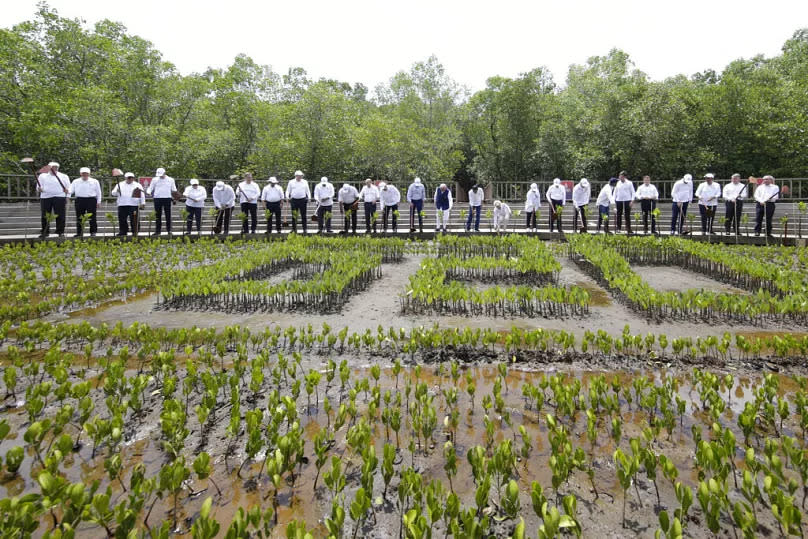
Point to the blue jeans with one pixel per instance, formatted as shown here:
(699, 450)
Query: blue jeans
(678, 217)
(415, 211)
(472, 211)
(603, 210)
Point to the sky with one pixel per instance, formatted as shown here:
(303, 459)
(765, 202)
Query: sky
(368, 41)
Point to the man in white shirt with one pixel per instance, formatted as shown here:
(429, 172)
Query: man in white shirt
(273, 196)
(248, 194)
(163, 190)
(681, 194)
(195, 196)
(416, 194)
(502, 214)
(298, 195)
(476, 195)
(389, 197)
(370, 197)
(581, 194)
(648, 195)
(734, 194)
(324, 196)
(766, 195)
(708, 193)
(623, 199)
(348, 200)
(443, 207)
(53, 188)
(224, 200)
(129, 197)
(87, 191)
(604, 203)
(532, 205)
(556, 197)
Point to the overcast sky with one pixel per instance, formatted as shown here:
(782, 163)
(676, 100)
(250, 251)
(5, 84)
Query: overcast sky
(368, 41)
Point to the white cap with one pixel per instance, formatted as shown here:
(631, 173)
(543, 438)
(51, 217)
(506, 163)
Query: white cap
(417, 180)
(273, 179)
(53, 164)
(584, 182)
(298, 173)
(323, 180)
(534, 187)
(220, 183)
(368, 180)
(160, 171)
(382, 185)
(497, 203)
(556, 181)
(687, 178)
(128, 175)
(194, 181)
(709, 175)
(768, 177)
(84, 170)
(344, 185)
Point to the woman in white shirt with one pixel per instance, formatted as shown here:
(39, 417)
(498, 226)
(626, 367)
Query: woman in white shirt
(195, 196)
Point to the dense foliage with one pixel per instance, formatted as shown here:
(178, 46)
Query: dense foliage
(104, 98)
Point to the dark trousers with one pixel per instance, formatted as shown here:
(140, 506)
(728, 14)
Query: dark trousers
(707, 217)
(84, 206)
(582, 211)
(274, 209)
(322, 219)
(530, 220)
(648, 206)
(624, 208)
(370, 210)
(222, 222)
(678, 217)
(251, 222)
(390, 211)
(603, 213)
(766, 209)
(349, 210)
(475, 212)
(415, 211)
(299, 204)
(162, 205)
(127, 219)
(194, 214)
(555, 214)
(733, 215)
(57, 205)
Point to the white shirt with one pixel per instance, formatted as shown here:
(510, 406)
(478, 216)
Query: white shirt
(708, 193)
(623, 191)
(51, 186)
(298, 189)
(767, 193)
(162, 187)
(501, 215)
(557, 193)
(389, 196)
(324, 194)
(682, 192)
(81, 188)
(647, 192)
(248, 192)
(581, 195)
(369, 193)
(476, 197)
(733, 191)
(272, 193)
(533, 201)
(123, 192)
(416, 191)
(347, 194)
(605, 197)
(224, 197)
(195, 197)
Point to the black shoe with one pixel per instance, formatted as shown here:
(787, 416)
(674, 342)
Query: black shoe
(757, 233)
(78, 235)
(42, 235)
(92, 234)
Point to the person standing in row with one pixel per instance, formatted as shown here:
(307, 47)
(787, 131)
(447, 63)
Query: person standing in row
(348, 200)
(298, 195)
(248, 194)
(324, 195)
(370, 198)
(53, 188)
(502, 214)
(416, 193)
(476, 195)
(624, 199)
(224, 200)
(681, 194)
(532, 205)
(556, 198)
(195, 196)
(129, 196)
(581, 194)
(766, 195)
(389, 198)
(734, 193)
(162, 189)
(648, 195)
(443, 207)
(87, 191)
(273, 196)
(604, 203)
(708, 193)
